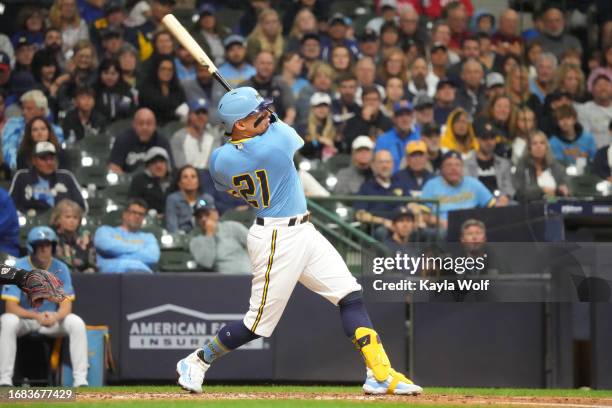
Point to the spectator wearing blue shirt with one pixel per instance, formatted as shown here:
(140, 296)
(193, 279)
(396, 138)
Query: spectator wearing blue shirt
(9, 225)
(396, 139)
(126, 248)
(381, 184)
(337, 35)
(50, 319)
(415, 175)
(33, 103)
(180, 204)
(235, 69)
(570, 141)
(454, 191)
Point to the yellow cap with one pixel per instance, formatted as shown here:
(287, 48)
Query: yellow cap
(416, 146)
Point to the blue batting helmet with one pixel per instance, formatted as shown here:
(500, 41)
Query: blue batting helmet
(240, 103)
(40, 234)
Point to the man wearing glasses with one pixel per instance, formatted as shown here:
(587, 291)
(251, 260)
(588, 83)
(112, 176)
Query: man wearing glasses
(126, 248)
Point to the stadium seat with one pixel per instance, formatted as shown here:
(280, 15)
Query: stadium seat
(95, 146)
(338, 162)
(584, 186)
(95, 175)
(170, 128)
(117, 127)
(118, 193)
(244, 217)
(174, 241)
(177, 260)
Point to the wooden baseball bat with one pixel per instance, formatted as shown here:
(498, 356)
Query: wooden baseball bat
(182, 36)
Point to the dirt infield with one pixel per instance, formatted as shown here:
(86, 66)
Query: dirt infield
(425, 399)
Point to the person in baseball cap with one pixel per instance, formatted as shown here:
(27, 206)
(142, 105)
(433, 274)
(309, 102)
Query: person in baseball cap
(402, 228)
(423, 108)
(415, 175)
(495, 85)
(153, 183)
(351, 178)
(396, 139)
(239, 103)
(493, 171)
(236, 69)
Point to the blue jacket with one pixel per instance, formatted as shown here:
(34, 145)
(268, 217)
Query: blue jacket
(121, 251)
(373, 188)
(9, 225)
(393, 142)
(179, 213)
(567, 151)
(12, 134)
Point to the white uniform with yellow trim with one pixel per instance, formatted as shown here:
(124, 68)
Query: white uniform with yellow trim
(12, 326)
(284, 247)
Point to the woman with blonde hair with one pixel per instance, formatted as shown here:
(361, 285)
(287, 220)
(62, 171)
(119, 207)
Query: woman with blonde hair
(320, 132)
(321, 77)
(538, 175)
(75, 248)
(267, 36)
(83, 72)
(394, 64)
(570, 78)
(304, 22)
(459, 134)
(524, 125)
(64, 15)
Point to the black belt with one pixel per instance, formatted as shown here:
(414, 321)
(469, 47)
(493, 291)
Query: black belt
(292, 221)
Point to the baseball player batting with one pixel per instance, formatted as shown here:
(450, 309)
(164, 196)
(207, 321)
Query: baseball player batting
(284, 247)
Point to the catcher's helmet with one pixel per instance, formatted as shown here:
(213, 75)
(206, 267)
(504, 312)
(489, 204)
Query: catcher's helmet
(240, 103)
(40, 234)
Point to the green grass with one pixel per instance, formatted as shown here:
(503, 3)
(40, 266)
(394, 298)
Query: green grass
(314, 390)
(514, 392)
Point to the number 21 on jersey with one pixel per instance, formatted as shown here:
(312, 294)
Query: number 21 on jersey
(245, 187)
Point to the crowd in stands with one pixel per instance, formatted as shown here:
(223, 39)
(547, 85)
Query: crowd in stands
(426, 99)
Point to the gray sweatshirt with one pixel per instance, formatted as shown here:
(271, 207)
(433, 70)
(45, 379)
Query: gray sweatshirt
(226, 251)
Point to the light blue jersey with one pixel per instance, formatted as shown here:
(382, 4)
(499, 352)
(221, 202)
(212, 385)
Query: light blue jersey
(469, 193)
(12, 292)
(261, 171)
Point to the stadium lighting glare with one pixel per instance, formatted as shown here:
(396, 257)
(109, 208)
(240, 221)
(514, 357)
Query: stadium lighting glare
(87, 161)
(167, 240)
(191, 265)
(22, 220)
(112, 178)
(305, 165)
(603, 187)
(331, 181)
(85, 193)
(10, 261)
(342, 212)
(572, 170)
(111, 206)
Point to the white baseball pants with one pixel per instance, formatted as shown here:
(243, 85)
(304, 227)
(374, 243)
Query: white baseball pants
(11, 327)
(281, 256)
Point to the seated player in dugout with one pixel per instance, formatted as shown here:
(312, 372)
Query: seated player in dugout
(48, 319)
(284, 247)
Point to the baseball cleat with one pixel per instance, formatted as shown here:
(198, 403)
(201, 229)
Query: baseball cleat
(191, 372)
(396, 384)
